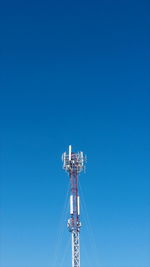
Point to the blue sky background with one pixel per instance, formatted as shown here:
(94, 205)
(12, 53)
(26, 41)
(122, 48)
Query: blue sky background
(75, 72)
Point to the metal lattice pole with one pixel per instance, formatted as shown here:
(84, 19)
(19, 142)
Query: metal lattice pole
(73, 163)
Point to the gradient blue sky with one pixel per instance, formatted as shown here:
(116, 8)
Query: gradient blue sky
(75, 72)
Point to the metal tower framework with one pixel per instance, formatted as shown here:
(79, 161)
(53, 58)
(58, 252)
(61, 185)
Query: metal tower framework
(74, 164)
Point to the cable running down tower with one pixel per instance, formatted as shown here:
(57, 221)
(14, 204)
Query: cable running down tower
(73, 163)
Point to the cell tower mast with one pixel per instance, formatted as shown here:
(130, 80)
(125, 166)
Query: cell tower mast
(73, 163)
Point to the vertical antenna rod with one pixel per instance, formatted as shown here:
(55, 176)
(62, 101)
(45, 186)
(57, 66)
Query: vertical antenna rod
(74, 164)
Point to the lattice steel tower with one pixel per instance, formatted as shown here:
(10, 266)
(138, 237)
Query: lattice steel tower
(73, 163)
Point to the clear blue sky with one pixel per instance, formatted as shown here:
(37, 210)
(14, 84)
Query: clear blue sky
(75, 72)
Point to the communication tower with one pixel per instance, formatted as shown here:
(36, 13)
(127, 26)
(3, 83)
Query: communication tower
(74, 163)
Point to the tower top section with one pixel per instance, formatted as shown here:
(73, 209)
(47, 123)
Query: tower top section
(73, 161)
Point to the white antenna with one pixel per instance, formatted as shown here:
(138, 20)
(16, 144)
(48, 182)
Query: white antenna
(70, 153)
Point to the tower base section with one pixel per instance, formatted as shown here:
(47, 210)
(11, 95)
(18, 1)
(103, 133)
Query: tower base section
(75, 249)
